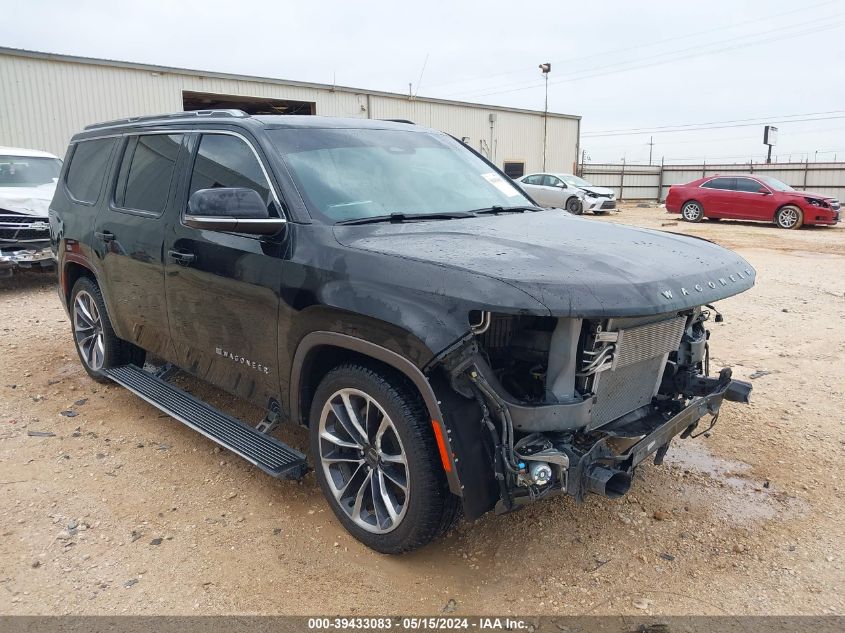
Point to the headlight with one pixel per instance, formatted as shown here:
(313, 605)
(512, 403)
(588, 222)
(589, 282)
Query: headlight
(590, 194)
(817, 203)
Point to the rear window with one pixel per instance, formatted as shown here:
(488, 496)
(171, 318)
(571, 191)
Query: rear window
(87, 169)
(720, 183)
(146, 172)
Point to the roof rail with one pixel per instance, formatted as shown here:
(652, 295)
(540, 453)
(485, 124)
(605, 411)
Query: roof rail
(193, 114)
(399, 121)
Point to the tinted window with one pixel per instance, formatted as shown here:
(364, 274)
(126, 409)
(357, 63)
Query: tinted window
(550, 181)
(146, 172)
(227, 161)
(87, 168)
(532, 180)
(746, 184)
(720, 183)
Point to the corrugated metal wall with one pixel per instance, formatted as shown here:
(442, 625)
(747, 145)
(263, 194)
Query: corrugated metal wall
(652, 182)
(45, 100)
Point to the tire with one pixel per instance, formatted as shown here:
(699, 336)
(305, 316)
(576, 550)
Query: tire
(97, 346)
(789, 217)
(397, 427)
(692, 211)
(575, 206)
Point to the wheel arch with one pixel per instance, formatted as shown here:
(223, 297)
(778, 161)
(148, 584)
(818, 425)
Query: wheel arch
(318, 351)
(72, 271)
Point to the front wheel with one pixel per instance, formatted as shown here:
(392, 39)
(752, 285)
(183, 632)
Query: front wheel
(575, 206)
(376, 460)
(692, 211)
(97, 345)
(789, 217)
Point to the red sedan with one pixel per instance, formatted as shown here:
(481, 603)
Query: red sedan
(751, 198)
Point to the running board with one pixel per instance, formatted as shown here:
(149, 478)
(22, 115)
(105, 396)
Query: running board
(269, 454)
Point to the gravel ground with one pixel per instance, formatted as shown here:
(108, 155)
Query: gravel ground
(109, 507)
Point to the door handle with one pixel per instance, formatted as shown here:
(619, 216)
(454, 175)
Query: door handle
(181, 258)
(106, 236)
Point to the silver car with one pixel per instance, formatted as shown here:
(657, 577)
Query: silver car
(569, 192)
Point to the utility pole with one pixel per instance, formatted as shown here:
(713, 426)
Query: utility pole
(650, 148)
(545, 69)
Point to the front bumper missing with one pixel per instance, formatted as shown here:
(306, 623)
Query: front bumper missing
(603, 461)
(623, 448)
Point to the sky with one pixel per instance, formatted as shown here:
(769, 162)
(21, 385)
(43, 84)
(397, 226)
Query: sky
(636, 71)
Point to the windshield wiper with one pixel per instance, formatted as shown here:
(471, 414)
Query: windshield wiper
(408, 217)
(496, 209)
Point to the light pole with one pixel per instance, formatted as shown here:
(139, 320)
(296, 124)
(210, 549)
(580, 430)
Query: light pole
(545, 69)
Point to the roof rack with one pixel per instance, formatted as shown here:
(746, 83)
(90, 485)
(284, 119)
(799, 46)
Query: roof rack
(193, 114)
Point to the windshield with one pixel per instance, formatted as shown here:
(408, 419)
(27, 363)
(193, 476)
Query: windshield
(27, 171)
(774, 183)
(575, 181)
(349, 174)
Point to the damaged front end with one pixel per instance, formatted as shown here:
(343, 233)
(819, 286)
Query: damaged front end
(24, 243)
(569, 405)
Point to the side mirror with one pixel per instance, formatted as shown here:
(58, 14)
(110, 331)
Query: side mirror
(764, 191)
(231, 209)
(562, 185)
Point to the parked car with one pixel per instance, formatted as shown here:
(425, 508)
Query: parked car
(569, 192)
(751, 197)
(27, 182)
(448, 344)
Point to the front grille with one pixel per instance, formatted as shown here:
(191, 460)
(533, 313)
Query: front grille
(608, 204)
(637, 367)
(21, 228)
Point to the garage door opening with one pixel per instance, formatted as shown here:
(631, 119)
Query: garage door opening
(250, 105)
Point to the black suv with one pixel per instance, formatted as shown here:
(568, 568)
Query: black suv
(450, 345)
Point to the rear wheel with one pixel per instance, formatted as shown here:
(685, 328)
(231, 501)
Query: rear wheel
(97, 345)
(692, 211)
(789, 217)
(376, 459)
(575, 206)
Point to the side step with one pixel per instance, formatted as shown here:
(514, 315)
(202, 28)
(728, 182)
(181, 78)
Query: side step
(269, 454)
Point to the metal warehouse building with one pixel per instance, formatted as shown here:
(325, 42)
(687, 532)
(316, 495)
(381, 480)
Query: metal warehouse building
(46, 98)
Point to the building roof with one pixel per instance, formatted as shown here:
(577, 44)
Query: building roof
(18, 52)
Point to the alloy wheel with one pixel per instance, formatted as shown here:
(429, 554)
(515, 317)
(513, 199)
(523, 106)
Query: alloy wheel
(691, 212)
(88, 330)
(364, 461)
(788, 217)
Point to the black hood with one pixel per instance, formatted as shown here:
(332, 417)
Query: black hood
(573, 266)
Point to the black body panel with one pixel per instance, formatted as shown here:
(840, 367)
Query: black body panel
(234, 309)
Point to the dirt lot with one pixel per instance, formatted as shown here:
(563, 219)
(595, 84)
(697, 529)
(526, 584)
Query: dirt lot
(124, 510)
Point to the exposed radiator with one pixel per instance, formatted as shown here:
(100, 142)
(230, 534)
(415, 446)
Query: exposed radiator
(636, 344)
(638, 362)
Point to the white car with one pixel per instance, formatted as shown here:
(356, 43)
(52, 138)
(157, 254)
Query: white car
(569, 192)
(27, 182)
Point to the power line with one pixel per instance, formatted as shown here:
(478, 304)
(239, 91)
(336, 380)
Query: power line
(714, 127)
(671, 56)
(760, 119)
(685, 36)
